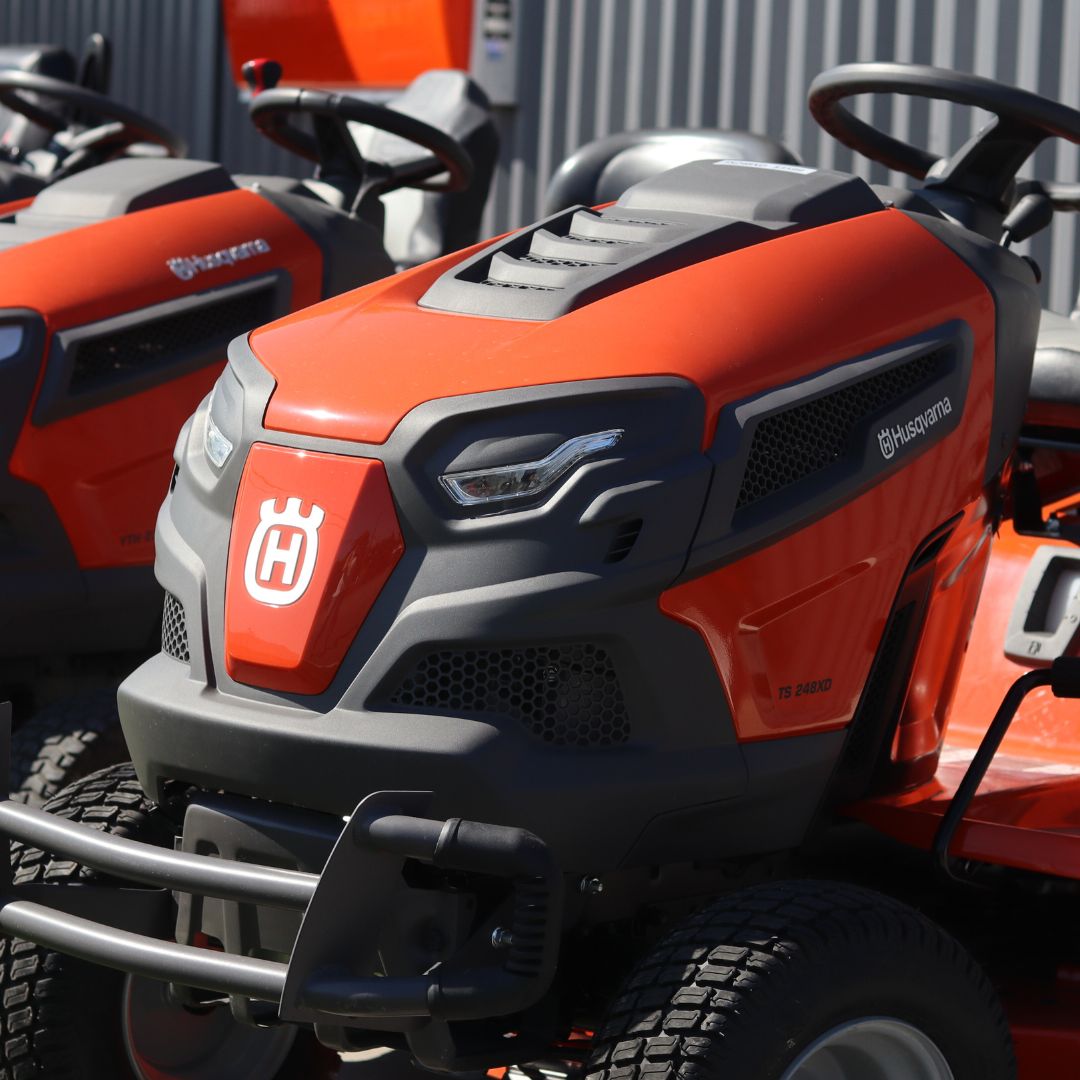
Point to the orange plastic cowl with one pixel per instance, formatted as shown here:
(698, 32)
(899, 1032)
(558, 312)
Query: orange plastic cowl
(315, 538)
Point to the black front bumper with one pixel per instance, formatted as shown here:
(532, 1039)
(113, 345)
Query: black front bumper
(330, 976)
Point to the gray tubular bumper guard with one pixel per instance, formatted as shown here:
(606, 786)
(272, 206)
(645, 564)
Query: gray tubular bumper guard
(110, 924)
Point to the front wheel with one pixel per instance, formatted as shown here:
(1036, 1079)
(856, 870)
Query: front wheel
(806, 981)
(65, 1019)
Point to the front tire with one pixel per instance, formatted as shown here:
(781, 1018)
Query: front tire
(64, 742)
(799, 980)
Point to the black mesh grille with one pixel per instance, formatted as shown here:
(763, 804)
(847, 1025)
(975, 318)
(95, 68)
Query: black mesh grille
(174, 640)
(518, 285)
(156, 343)
(792, 445)
(567, 695)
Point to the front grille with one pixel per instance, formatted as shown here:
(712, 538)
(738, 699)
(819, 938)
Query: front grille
(174, 639)
(566, 695)
(157, 342)
(791, 445)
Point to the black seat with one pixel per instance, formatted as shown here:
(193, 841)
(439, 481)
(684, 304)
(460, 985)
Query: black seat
(602, 170)
(420, 225)
(454, 103)
(1054, 398)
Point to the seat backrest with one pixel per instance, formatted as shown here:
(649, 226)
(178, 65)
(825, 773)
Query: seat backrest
(50, 60)
(423, 225)
(603, 169)
(1054, 398)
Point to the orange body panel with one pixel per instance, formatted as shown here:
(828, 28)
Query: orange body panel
(379, 356)
(8, 208)
(1025, 813)
(314, 539)
(106, 469)
(345, 43)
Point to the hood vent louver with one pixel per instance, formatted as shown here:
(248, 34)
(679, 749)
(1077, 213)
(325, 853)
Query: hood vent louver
(689, 214)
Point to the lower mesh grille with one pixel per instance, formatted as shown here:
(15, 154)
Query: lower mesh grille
(791, 445)
(174, 639)
(567, 695)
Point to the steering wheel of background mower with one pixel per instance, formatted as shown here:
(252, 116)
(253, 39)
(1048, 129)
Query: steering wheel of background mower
(985, 166)
(271, 112)
(120, 128)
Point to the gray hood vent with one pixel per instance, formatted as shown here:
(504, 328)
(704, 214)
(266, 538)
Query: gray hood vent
(683, 216)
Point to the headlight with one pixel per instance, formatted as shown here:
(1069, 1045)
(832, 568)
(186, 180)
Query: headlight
(11, 339)
(501, 482)
(217, 446)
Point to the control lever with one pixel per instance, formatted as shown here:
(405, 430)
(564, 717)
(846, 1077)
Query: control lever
(261, 74)
(1031, 213)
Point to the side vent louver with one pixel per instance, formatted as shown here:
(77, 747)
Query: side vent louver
(798, 442)
(148, 344)
(624, 540)
(578, 256)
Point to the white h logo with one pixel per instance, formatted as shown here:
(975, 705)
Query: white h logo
(296, 555)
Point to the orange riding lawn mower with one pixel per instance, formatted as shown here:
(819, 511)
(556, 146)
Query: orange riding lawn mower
(563, 670)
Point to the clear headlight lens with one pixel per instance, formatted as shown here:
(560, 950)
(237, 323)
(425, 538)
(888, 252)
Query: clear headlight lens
(217, 447)
(502, 482)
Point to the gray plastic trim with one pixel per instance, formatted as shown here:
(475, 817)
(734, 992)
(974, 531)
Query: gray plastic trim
(123, 187)
(55, 399)
(1037, 648)
(686, 215)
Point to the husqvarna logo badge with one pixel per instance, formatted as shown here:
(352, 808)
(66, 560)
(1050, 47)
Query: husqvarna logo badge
(282, 552)
(890, 439)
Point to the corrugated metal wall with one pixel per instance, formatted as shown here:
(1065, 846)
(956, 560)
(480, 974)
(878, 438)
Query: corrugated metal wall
(589, 67)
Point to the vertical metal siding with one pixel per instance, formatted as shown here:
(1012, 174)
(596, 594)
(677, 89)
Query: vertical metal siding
(590, 67)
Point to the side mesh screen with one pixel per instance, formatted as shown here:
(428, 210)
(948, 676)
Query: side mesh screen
(155, 343)
(174, 639)
(566, 695)
(792, 445)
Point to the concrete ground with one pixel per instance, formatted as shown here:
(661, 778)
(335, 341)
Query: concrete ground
(381, 1064)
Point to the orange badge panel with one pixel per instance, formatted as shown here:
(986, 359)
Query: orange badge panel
(315, 538)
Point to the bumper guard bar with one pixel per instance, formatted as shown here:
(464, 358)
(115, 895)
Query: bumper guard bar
(346, 909)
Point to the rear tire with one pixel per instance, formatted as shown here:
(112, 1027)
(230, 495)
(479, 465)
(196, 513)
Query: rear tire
(62, 1018)
(745, 988)
(64, 742)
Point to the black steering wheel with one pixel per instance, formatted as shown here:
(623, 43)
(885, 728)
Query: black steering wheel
(985, 166)
(332, 145)
(120, 125)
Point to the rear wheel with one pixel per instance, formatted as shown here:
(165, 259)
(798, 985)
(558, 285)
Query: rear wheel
(806, 981)
(64, 742)
(64, 1019)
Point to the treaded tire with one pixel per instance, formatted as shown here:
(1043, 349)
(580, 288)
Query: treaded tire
(740, 989)
(63, 742)
(60, 1018)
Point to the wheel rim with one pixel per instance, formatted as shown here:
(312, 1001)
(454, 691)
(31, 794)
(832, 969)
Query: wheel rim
(876, 1048)
(165, 1041)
